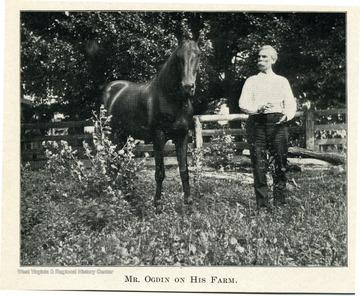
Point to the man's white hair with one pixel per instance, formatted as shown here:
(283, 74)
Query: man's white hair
(272, 50)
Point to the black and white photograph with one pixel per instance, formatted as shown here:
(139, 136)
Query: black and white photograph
(167, 149)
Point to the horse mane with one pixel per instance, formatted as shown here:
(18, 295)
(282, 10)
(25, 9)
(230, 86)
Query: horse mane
(167, 71)
(173, 53)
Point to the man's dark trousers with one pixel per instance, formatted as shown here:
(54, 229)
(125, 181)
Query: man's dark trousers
(264, 135)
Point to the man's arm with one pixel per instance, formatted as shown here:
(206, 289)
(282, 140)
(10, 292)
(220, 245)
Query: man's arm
(246, 101)
(289, 103)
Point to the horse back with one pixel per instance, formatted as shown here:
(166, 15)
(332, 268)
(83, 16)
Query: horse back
(128, 105)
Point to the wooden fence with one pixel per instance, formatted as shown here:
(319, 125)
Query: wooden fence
(313, 123)
(309, 128)
(34, 134)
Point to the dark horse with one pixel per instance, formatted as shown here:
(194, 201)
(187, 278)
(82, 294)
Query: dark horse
(159, 110)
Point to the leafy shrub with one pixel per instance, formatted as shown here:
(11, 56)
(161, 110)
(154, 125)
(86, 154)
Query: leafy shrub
(221, 153)
(71, 196)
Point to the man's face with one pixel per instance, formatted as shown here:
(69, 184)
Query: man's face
(265, 61)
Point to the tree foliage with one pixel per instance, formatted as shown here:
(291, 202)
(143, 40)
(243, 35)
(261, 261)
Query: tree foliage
(66, 57)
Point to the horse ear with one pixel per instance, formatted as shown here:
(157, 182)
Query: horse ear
(196, 25)
(179, 35)
(180, 40)
(196, 36)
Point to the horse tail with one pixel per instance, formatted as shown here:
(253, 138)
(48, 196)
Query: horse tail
(105, 97)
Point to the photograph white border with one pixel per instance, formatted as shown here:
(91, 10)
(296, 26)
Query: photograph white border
(274, 279)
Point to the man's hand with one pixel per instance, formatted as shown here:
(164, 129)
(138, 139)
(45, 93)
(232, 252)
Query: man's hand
(282, 119)
(264, 108)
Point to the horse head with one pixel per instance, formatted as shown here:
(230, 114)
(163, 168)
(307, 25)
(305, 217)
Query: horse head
(188, 55)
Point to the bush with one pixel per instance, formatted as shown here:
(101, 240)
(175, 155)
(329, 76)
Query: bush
(221, 153)
(71, 197)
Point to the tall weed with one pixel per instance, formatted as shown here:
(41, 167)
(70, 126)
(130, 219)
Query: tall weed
(69, 198)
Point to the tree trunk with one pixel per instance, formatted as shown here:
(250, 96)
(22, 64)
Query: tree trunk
(333, 158)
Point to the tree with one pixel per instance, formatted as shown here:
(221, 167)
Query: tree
(311, 53)
(66, 57)
(319, 48)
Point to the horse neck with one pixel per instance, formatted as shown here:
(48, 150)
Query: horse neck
(169, 76)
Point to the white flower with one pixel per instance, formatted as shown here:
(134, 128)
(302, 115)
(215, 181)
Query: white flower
(233, 241)
(240, 249)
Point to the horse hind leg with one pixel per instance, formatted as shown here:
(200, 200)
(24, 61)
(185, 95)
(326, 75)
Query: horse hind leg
(118, 138)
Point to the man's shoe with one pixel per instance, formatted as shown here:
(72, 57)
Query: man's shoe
(279, 202)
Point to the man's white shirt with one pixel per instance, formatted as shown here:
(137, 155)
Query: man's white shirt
(262, 89)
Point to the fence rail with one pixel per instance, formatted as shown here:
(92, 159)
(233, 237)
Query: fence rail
(33, 134)
(309, 128)
(60, 124)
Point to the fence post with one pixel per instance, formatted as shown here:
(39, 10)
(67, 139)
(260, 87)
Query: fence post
(198, 132)
(309, 129)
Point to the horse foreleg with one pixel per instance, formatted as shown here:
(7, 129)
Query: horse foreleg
(159, 143)
(181, 144)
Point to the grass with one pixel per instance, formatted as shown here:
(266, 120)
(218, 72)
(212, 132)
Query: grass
(222, 228)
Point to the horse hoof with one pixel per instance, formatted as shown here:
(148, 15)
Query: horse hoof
(158, 209)
(188, 201)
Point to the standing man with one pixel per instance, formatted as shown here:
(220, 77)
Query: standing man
(270, 103)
